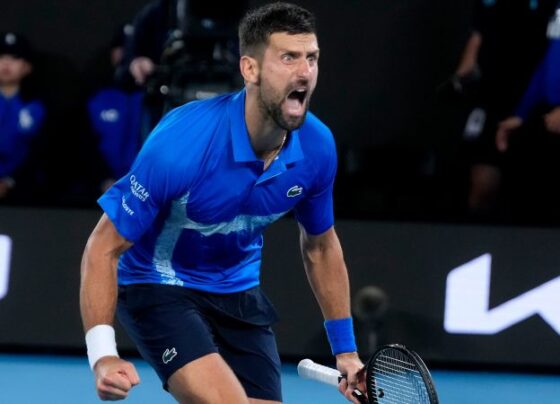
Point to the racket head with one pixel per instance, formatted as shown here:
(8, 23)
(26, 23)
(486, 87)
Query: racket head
(395, 374)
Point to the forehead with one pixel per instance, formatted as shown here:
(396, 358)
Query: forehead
(10, 56)
(279, 41)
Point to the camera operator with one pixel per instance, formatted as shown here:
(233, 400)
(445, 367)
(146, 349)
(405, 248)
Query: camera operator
(181, 50)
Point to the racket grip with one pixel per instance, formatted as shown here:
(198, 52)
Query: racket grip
(311, 370)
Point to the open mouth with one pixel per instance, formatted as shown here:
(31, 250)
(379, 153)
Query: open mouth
(298, 95)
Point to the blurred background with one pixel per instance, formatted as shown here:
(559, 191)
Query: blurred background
(416, 93)
(446, 116)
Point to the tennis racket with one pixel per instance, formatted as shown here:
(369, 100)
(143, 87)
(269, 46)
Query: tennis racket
(394, 375)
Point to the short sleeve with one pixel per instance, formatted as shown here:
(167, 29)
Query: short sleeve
(155, 179)
(315, 212)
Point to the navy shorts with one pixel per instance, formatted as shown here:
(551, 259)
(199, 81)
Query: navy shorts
(172, 326)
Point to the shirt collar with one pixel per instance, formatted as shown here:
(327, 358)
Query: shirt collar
(242, 149)
(292, 150)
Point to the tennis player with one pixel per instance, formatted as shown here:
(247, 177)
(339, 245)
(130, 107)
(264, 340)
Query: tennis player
(177, 252)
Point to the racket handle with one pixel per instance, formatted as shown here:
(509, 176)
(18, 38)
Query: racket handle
(311, 370)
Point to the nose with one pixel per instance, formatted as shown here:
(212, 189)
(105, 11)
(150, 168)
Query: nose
(304, 68)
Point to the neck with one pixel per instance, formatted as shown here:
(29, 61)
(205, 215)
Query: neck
(9, 90)
(264, 133)
(269, 156)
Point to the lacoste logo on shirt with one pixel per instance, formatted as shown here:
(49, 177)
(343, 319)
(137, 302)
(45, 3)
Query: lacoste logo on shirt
(294, 191)
(168, 355)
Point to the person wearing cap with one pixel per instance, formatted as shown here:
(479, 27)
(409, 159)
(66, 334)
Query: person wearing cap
(20, 117)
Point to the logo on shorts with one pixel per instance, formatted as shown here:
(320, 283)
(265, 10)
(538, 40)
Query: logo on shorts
(294, 191)
(168, 355)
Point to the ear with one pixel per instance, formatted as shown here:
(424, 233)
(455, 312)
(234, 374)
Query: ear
(249, 69)
(27, 68)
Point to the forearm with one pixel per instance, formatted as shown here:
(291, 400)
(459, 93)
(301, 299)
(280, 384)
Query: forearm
(328, 277)
(470, 55)
(98, 292)
(324, 264)
(98, 289)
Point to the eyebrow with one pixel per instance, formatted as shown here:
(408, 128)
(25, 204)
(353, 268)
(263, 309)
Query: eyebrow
(298, 53)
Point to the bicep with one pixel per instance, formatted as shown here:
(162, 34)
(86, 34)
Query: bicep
(315, 245)
(316, 212)
(105, 239)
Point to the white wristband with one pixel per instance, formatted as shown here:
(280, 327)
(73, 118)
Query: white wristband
(100, 342)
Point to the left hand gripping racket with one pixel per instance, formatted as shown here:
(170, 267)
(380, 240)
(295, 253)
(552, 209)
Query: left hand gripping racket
(394, 375)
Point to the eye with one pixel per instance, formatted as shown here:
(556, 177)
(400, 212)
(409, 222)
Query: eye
(288, 58)
(312, 59)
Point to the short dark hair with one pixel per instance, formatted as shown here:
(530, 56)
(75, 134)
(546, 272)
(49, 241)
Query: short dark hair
(258, 24)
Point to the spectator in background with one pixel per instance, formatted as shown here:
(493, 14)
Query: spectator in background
(507, 40)
(115, 116)
(176, 44)
(21, 117)
(531, 138)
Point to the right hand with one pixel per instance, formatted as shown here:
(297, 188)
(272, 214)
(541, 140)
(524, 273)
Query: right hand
(505, 128)
(114, 377)
(140, 68)
(349, 364)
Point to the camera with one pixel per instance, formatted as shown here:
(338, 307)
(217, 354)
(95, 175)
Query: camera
(200, 57)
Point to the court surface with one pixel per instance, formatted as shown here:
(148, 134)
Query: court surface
(43, 379)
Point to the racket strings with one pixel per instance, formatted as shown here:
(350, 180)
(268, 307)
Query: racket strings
(397, 380)
(400, 374)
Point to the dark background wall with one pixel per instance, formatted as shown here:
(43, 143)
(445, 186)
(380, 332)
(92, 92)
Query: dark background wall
(73, 29)
(381, 62)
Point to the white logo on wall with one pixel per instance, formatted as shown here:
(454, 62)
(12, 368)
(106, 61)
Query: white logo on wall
(5, 255)
(468, 296)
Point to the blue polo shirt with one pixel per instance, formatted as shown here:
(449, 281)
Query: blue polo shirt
(197, 199)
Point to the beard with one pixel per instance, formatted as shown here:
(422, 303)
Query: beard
(270, 103)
